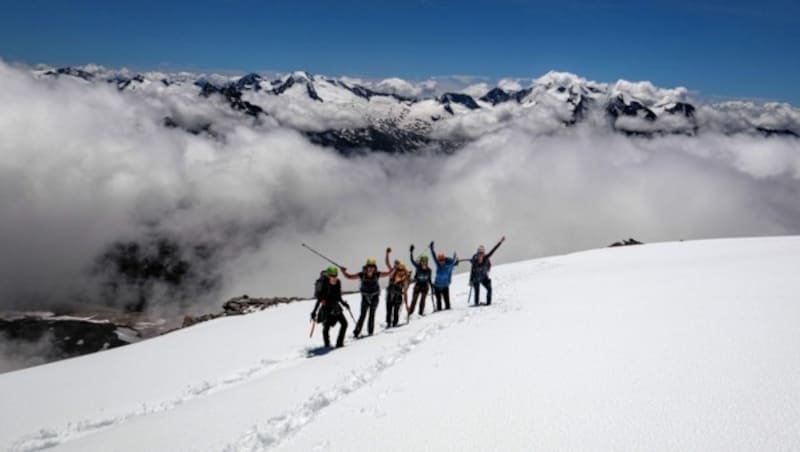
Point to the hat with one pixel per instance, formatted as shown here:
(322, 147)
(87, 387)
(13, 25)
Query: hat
(440, 257)
(481, 249)
(371, 261)
(332, 271)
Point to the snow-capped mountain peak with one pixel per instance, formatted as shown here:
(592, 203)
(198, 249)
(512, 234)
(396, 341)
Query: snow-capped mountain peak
(394, 115)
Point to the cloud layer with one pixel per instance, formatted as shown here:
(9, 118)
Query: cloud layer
(84, 166)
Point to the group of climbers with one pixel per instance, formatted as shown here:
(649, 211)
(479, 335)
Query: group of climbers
(328, 289)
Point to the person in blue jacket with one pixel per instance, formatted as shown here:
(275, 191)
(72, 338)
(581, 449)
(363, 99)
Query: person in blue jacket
(444, 272)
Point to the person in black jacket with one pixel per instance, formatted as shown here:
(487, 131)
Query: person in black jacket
(328, 309)
(370, 292)
(479, 275)
(422, 281)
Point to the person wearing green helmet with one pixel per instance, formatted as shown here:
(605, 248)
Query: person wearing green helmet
(328, 309)
(422, 281)
(370, 294)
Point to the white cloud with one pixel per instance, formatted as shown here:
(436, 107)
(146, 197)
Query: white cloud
(83, 166)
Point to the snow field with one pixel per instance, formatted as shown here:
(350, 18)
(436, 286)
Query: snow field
(674, 346)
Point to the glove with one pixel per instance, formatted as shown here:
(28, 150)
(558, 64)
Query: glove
(388, 250)
(431, 243)
(411, 248)
(313, 316)
(343, 269)
(503, 239)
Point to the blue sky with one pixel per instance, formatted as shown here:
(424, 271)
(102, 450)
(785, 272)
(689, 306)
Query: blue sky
(719, 48)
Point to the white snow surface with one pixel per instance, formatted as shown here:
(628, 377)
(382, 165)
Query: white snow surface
(671, 346)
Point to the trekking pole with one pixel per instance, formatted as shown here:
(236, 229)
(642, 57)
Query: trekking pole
(319, 254)
(469, 296)
(351, 314)
(311, 334)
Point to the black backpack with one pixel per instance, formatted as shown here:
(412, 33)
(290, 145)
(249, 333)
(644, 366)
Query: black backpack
(318, 285)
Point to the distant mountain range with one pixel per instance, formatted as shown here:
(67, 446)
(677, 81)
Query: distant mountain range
(379, 116)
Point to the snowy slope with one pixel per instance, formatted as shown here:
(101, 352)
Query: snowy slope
(674, 346)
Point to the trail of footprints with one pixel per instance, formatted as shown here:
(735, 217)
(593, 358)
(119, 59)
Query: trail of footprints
(276, 430)
(50, 437)
(273, 431)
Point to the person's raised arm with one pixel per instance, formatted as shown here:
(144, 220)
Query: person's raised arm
(348, 275)
(433, 253)
(503, 239)
(388, 261)
(455, 259)
(411, 254)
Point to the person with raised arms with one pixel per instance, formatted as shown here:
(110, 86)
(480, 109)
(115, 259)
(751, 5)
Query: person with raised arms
(396, 291)
(479, 274)
(370, 293)
(444, 273)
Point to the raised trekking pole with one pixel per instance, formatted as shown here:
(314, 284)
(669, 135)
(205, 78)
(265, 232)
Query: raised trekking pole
(320, 254)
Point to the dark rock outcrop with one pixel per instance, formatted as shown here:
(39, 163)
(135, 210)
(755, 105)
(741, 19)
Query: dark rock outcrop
(249, 81)
(682, 108)
(239, 306)
(458, 98)
(294, 79)
(354, 141)
(196, 129)
(71, 71)
(617, 107)
(768, 132)
(232, 94)
(124, 82)
(627, 242)
(496, 96)
(133, 271)
(66, 336)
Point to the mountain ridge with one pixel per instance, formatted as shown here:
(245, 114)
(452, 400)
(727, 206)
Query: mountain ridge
(360, 117)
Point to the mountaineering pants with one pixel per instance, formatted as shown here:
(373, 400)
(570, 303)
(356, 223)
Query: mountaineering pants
(487, 283)
(393, 308)
(442, 292)
(369, 303)
(332, 320)
(420, 290)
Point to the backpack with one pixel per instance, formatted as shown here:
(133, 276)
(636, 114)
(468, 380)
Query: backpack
(318, 286)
